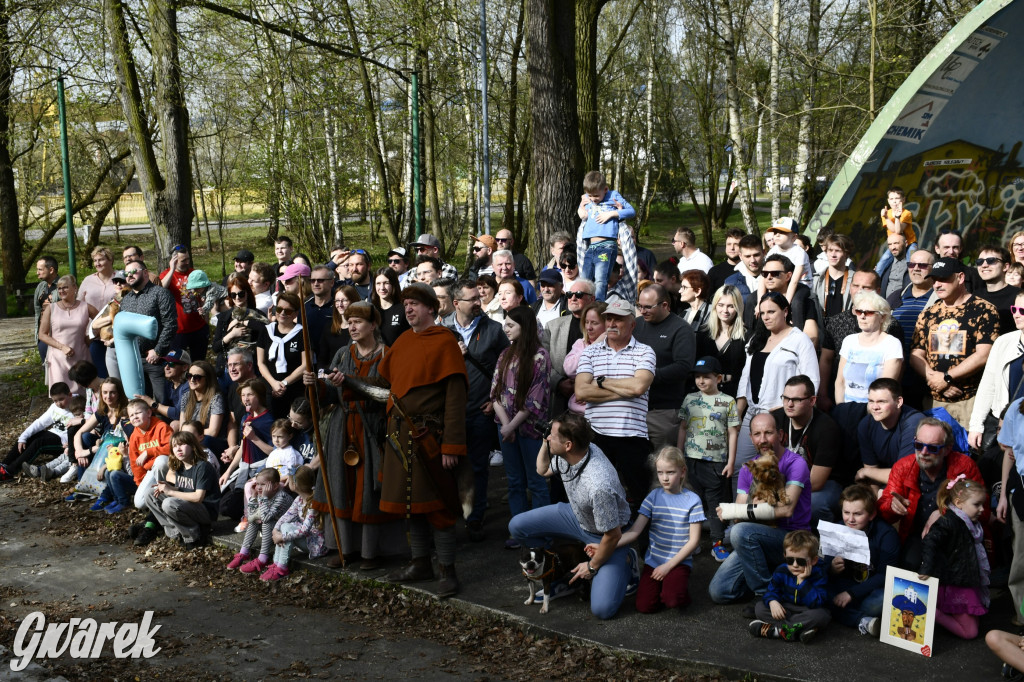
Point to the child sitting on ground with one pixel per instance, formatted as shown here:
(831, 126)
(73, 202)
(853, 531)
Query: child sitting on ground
(150, 439)
(46, 435)
(62, 466)
(301, 526)
(185, 504)
(675, 515)
(115, 464)
(267, 505)
(196, 428)
(709, 428)
(793, 606)
(954, 552)
(857, 590)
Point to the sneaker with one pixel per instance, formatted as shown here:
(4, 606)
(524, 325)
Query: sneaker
(512, 543)
(5, 475)
(869, 626)
(242, 525)
(254, 566)
(237, 561)
(719, 552)
(146, 536)
(97, 505)
(1011, 673)
(114, 507)
(496, 459)
(26, 470)
(191, 545)
(808, 634)
(69, 475)
(273, 573)
(633, 563)
(759, 628)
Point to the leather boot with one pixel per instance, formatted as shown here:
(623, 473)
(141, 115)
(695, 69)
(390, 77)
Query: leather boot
(417, 569)
(448, 586)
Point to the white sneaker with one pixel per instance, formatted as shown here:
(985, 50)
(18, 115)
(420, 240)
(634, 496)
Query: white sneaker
(68, 476)
(496, 459)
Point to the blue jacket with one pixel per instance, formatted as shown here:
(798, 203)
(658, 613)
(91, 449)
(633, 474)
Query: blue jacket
(810, 593)
(884, 543)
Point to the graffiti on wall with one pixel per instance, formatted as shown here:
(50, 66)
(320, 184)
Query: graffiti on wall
(958, 185)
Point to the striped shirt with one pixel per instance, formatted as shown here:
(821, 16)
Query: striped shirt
(907, 315)
(671, 516)
(624, 417)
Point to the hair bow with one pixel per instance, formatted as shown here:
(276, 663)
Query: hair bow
(949, 486)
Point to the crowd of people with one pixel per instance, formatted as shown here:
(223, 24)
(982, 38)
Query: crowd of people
(632, 403)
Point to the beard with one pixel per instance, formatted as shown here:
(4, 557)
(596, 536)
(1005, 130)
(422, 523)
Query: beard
(481, 263)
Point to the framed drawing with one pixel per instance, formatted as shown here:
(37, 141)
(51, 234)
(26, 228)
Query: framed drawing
(908, 612)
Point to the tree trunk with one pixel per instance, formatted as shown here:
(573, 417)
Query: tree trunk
(512, 152)
(587, 12)
(167, 195)
(773, 117)
(337, 233)
(557, 157)
(801, 176)
(429, 156)
(10, 232)
(646, 193)
(729, 40)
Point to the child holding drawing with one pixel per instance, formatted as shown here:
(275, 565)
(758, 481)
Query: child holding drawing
(856, 591)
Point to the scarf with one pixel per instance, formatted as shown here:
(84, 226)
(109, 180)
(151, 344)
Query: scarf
(977, 533)
(276, 351)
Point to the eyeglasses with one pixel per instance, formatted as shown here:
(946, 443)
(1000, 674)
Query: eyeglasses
(341, 304)
(196, 377)
(394, 261)
(1016, 246)
(800, 561)
(918, 266)
(772, 274)
(858, 312)
(285, 311)
(644, 308)
(991, 260)
(240, 295)
(577, 294)
(475, 299)
(795, 401)
(1016, 310)
(930, 448)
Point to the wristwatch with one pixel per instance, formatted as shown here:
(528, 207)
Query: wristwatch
(284, 382)
(593, 571)
(600, 384)
(948, 379)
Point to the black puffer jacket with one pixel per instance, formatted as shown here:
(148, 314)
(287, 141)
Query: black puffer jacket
(948, 553)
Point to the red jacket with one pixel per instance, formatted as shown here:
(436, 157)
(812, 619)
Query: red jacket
(903, 481)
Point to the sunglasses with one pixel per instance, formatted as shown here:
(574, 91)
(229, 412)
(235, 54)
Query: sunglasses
(772, 273)
(1017, 309)
(477, 249)
(196, 377)
(800, 561)
(361, 252)
(992, 260)
(918, 266)
(502, 239)
(129, 273)
(421, 249)
(170, 364)
(858, 312)
(394, 261)
(240, 295)
(577, 294)
(285, 311)
(930, 448)
(320, 279)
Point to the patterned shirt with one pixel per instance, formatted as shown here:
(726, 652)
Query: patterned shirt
(156, 302)
(592, 485)
(623, 417)
(948, 335)
(304, 524)
(671, 516)
(537, 393)
(708, 419)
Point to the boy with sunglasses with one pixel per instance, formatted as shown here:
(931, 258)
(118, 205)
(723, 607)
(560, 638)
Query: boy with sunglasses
(793, 607)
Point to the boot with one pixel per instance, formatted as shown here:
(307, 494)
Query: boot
(417, 569)
(448, 585)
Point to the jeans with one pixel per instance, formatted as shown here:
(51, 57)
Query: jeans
(98, 355)
(196, 343)
(479, 431)
(154, 379)
(282, 552)
(520, 457)
(825, 502)
(597, 265)
(757, 550)
(868, 607)
(122, 485)
(536, 527)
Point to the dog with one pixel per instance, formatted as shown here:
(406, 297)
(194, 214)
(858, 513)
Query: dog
(767, 484)
(548, 566)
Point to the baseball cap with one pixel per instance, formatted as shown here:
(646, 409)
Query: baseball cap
(244, 256)
(551, 276)
(785, 224)
(945, 268)
(708, 364)
(488, 241)
(197, 279)
(426, 239)
(294, 270)
(178, 357)
(399, 251)
(119, 276)
(621, 308)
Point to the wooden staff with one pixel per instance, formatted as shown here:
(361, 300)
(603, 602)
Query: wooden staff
(314, 408)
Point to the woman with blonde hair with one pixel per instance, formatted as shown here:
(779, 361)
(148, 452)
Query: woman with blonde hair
(871, 354)
(98, 289)
(63, 327)
(726, 329)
